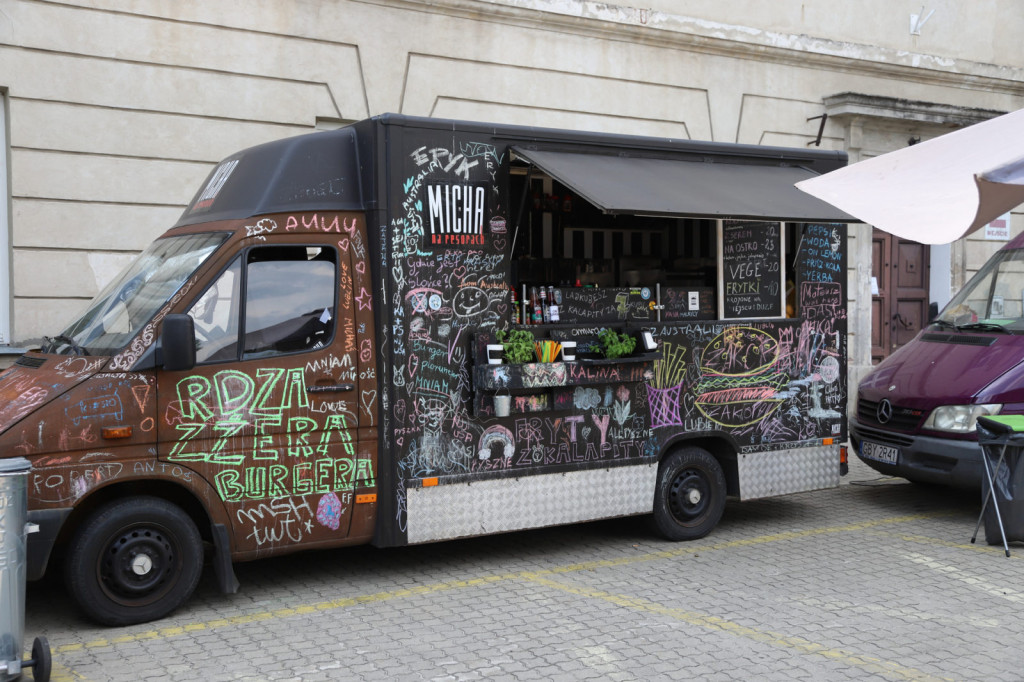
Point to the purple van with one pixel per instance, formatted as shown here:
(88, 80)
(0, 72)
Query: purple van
(917, 411)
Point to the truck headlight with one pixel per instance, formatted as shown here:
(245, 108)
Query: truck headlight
(959, 418)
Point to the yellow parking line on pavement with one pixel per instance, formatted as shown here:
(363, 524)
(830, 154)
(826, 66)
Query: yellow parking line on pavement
(280, 613)
(696, 548)
(709, 622)
(346, 602)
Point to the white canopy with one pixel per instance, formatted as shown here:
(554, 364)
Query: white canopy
(937, 191)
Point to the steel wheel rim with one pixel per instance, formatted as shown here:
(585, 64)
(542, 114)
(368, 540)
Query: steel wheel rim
(689, 496)
(137, 565)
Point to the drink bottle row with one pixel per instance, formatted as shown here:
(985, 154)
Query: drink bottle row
(541, 307)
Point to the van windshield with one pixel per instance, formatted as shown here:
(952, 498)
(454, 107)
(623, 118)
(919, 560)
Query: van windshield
(993, 300)
(130, 301)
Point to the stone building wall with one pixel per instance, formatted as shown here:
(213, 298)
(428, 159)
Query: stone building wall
(115, 110)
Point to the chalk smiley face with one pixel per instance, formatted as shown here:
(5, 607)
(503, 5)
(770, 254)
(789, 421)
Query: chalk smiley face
(469, 301)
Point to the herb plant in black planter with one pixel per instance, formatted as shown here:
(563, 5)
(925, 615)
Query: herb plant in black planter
(616, 345)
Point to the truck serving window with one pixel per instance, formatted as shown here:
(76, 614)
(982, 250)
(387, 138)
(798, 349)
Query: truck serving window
(130, 301)
(288, 305)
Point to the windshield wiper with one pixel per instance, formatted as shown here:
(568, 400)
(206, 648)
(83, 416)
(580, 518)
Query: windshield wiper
(983, 327)
(944, 323)
(67, 340)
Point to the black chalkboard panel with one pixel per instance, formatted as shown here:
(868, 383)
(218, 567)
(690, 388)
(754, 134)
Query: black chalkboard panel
(687, 303)
(751, 257)
(589, 304)
(820, 256)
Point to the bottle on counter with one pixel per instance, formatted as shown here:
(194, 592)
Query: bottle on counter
(538, 313)
(545, 309)
(554, 300)
(515, 307)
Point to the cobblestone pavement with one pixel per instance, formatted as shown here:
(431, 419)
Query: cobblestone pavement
(875, 580)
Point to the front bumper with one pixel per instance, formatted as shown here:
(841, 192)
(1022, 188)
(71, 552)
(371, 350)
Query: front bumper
(924, 459)
(40, 545)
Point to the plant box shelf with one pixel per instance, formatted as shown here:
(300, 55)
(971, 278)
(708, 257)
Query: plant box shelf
(539, 375)
(642, 357)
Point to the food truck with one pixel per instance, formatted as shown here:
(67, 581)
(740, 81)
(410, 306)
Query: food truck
(332, 347)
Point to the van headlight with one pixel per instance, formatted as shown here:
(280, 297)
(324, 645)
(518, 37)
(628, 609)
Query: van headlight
(959, 418)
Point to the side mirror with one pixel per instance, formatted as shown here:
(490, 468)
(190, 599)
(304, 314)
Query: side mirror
(178, 343)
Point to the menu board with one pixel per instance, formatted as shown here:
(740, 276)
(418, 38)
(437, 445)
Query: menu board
(589, 304)
(750, 265)
(821, 268)
(821, 256)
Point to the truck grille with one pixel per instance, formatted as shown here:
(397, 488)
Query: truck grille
(885, 437)
(903, 418)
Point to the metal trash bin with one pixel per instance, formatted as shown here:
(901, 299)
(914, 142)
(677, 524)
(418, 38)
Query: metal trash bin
(13, 533)
(1002, 487)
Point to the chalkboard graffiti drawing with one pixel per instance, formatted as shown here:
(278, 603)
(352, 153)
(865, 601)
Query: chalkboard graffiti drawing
(817, 411)
(496, 442)
(620, 305)
(666, 385)
(666, 406)
(621, 412)
(670, 369)
(828, 369)
(586, 398)
(98, 407)
(537, 402)
(739, 385)
(538, 374)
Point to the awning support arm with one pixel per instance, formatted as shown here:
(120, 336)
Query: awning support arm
(821, 129)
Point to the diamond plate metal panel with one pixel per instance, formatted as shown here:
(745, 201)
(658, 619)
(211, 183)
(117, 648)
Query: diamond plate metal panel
(766, 474)
(495, 506)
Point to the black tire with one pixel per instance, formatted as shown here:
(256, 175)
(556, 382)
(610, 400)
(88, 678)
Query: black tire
(41, 660)
(690, 495)
(133, 561)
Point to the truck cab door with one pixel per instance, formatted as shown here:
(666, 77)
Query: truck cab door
(269, 414)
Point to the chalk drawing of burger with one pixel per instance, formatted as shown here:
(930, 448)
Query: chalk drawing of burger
(738, 385)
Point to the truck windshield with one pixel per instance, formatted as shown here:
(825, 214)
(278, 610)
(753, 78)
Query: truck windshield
(993, 300)
(131, 300)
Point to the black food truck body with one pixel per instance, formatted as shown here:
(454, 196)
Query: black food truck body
(302, 361)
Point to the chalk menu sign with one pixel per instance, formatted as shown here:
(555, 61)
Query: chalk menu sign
(587, 304)
(750, 264)
(820, 255)
(821, 267)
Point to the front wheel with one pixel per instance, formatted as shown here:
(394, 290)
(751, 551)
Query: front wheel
(690, 495)
(133, 561)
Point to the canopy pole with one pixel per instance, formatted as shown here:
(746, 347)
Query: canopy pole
(522, 206)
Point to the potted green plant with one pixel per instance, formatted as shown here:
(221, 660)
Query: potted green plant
(518, 344)
(614, 344)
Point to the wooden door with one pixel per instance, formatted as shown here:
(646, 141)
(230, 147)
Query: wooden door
(900, 307)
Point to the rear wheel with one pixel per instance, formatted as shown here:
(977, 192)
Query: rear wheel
(133, 561)
(690, 495)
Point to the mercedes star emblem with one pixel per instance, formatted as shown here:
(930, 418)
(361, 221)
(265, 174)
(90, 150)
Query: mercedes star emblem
(884, 411)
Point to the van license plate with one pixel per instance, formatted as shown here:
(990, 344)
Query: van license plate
(879, 453)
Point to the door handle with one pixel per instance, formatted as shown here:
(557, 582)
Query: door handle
(899, 318)
(335, 388)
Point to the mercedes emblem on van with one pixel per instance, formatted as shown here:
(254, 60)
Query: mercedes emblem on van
(884, 411)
